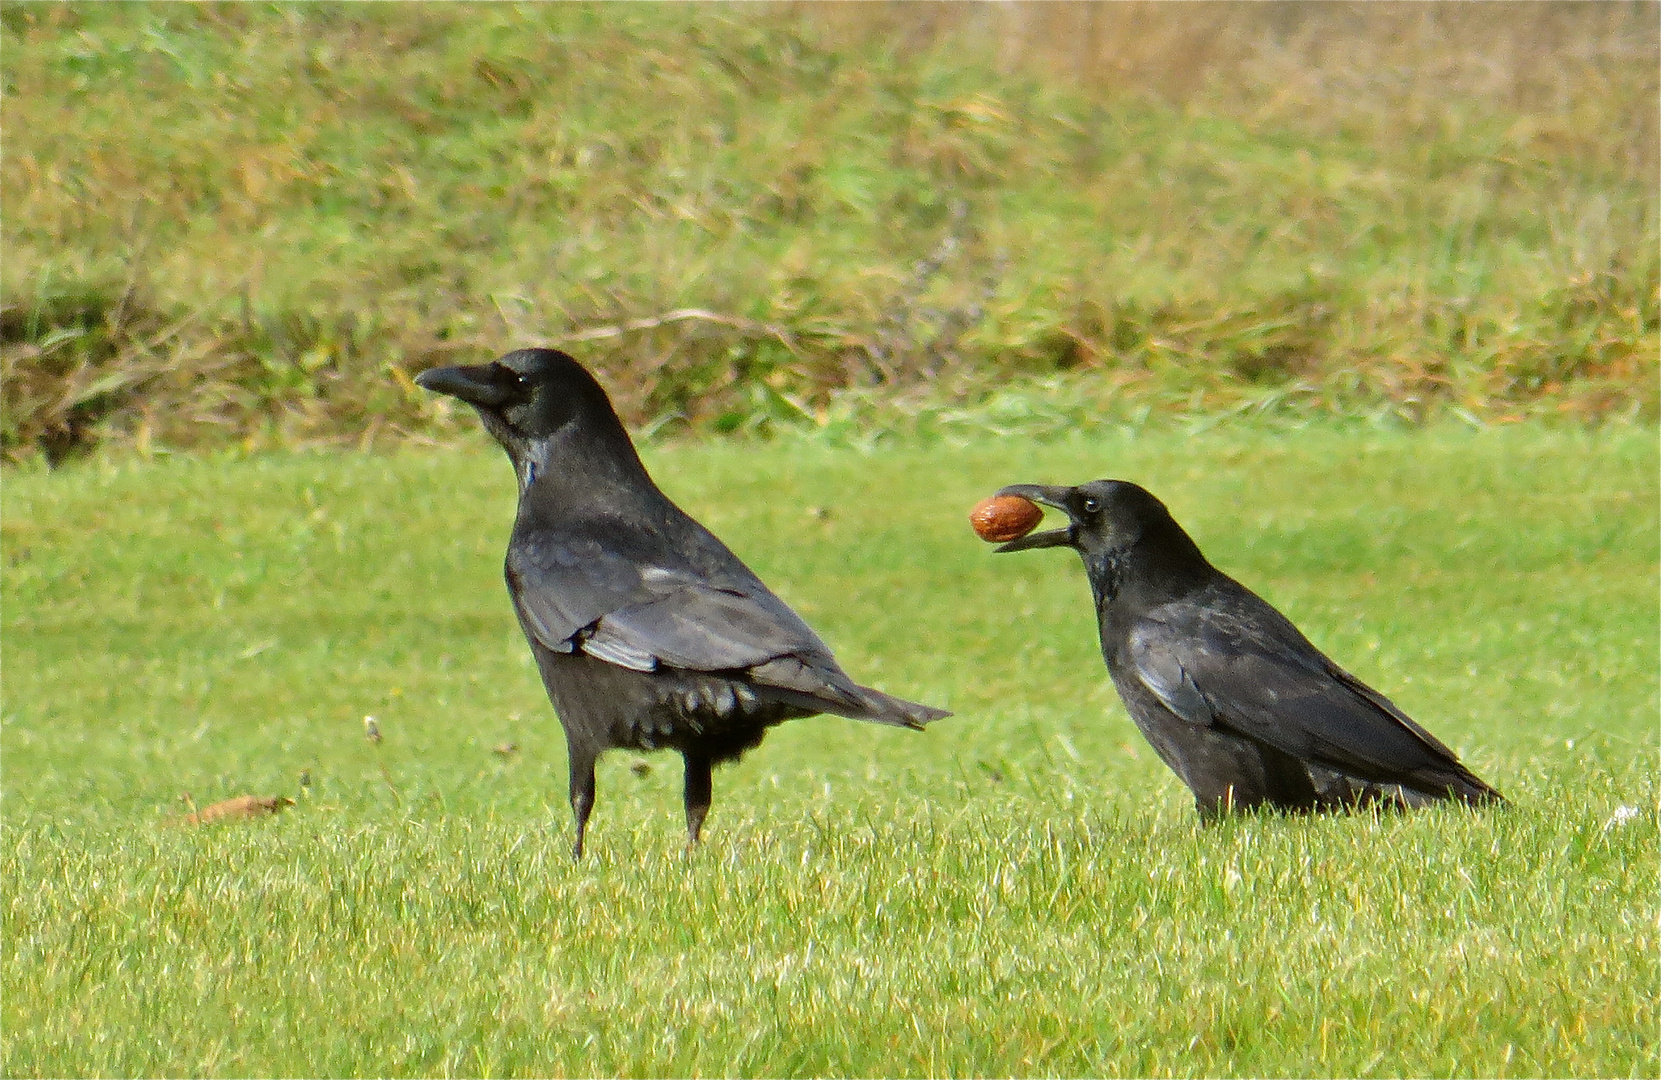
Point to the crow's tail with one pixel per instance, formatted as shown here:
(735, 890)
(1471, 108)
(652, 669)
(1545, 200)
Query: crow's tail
(824, 687)
(1341, 791)
(1457, 784)
(1467, 788)
(884, 708)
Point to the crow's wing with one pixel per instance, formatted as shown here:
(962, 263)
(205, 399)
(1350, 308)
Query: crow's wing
(689, 624)
(562, 585)
(1250, 671)
(622, 607)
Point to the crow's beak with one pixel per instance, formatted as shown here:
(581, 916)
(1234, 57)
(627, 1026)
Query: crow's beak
(489, 386)
(1044, 495)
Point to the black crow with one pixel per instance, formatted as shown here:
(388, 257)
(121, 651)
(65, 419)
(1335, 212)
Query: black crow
(1233, 698)
(648, 631)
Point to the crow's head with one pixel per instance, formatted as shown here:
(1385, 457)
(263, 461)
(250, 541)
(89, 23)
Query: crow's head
(530, 394)
(1122, 532)
(1103, 515)
(532, 399)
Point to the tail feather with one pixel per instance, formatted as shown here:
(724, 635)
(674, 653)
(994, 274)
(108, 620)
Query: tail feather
(825, 688)
(872, 706)
(1337, 789)
(1453, 782)
(888, 709)
(1464, 786)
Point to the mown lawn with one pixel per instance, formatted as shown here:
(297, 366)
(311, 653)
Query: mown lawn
(1022, 889)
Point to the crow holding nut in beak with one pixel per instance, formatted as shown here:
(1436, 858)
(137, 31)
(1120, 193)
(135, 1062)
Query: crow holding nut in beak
(649, 632)
(1233, 698)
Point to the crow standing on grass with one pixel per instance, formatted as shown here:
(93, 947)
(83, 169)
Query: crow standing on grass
(1233, 698)
(648, 632)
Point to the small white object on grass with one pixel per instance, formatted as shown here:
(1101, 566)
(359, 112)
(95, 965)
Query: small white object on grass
(1621, 816)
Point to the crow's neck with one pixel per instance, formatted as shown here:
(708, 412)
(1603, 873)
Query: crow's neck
(584, 464)
(1154, 571)
(1106, 571)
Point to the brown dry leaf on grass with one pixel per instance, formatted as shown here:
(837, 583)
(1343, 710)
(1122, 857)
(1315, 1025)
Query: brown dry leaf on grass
(241, 808)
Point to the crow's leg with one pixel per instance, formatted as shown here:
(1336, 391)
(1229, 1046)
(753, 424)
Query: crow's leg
(582, 791)
(698, 794)
(1215, 805)
(1289, 786)
(1226, 773)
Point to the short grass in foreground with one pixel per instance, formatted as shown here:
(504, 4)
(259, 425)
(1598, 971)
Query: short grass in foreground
(1022, 889)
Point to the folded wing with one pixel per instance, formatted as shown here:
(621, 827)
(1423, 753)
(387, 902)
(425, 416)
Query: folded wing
(589, 596)
(1254, 674)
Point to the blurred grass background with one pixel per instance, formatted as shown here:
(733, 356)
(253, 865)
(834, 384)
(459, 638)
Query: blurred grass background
(248, 224)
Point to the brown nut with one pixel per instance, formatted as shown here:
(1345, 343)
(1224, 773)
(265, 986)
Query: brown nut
(1004, 518)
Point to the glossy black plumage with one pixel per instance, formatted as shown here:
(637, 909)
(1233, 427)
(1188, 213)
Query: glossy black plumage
(649, 633)
(1229, 693)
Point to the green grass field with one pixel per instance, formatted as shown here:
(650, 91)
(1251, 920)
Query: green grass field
(1022, 889)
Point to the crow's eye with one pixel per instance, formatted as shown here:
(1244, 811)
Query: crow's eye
(1091, 504)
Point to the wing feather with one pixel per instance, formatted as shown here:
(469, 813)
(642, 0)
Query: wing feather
(691, 625)
(607, 592)
(594, 594)
(1261, 678)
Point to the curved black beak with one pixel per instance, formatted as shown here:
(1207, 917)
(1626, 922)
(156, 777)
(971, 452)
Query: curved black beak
(1044, 495)
(488, 386)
